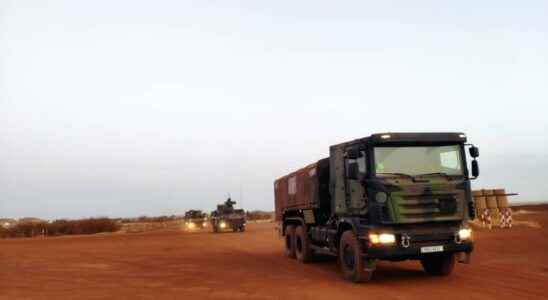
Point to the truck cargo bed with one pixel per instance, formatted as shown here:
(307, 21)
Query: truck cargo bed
(307, 188)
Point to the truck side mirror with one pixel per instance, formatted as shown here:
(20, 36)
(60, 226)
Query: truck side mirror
(474, 151)
(352, 172)
(352, 153)
(475, 168)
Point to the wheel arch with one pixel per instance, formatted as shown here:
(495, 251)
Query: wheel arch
(292, 217)
(342, 226)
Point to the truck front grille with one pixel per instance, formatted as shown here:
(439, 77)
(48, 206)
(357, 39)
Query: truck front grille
(421, 208)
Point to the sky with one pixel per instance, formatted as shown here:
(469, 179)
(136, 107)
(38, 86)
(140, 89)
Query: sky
(128, 108)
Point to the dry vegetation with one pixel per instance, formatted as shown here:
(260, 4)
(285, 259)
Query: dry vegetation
(258, 215)
(147, 219)
(99, 225)
(60, 227)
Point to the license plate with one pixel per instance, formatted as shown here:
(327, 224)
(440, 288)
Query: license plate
(431, 249)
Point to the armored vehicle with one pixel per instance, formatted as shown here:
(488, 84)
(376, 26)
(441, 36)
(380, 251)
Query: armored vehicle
(227, 217)
(389, 196)
(195, 219)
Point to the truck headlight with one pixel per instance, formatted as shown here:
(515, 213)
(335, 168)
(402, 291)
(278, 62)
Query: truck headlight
(191, 225)
(204, 224)
(222, 224)
(465, 234)
(383, 238)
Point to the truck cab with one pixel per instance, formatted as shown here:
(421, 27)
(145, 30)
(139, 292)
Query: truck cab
(389, 196)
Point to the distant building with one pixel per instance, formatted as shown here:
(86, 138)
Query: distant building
(7, 223)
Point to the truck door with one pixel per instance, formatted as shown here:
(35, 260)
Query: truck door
(355, 172)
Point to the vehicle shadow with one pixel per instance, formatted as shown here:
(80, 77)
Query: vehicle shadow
(386, 272)
(225, 232)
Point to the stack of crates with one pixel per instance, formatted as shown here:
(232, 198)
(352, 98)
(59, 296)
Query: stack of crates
(482, 212)
(503, 206)
(492, 208)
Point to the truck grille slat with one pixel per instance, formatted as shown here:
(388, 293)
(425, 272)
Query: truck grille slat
(420, 202)
(416, 211)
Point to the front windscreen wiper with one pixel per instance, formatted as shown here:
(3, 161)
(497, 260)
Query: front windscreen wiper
(437, 173)
(403, 174)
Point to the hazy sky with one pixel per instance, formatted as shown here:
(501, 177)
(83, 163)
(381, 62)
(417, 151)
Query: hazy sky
(126, 108)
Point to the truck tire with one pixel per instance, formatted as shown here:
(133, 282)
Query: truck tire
(303, 252)
(215, 229)
(438, 265)
(242, 228)
(351, 259)
(290, 241)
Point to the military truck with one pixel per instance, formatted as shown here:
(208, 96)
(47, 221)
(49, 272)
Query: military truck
(227, 217)
(388, 196)
(195, 219)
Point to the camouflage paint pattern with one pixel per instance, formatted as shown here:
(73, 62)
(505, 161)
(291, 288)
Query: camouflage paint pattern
(337, 188)
(439, 199)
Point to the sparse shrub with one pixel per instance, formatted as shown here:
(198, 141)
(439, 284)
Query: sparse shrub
(258, 215)
(145, 219)
(85, 226)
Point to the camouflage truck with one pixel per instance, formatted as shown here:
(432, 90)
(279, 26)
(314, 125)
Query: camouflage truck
(391, 196)
(227, 217)
(195, 219)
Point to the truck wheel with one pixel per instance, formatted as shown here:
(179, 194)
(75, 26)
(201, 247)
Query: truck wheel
(303, 252)
(215, 229)
(242, 228)
(290, 241)
(438, 265)
(351, 259)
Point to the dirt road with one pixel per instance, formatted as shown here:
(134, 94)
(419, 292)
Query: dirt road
(508, 264)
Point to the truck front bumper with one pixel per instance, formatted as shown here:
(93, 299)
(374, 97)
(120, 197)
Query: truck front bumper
(397, 252)
(195, 225)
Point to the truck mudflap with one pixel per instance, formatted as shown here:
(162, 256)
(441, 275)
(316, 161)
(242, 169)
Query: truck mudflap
(398, 252)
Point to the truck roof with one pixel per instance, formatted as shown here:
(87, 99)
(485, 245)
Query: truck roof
(391, 138)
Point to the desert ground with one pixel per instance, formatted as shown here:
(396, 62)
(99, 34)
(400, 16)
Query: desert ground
(174, 264)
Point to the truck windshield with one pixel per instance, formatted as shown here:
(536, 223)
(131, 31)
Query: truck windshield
(413, 161)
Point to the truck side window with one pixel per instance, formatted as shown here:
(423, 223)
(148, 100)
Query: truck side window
(362, 164)
(348, 162)
(292, 186)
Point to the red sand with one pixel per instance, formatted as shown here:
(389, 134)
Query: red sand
(508, 264)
